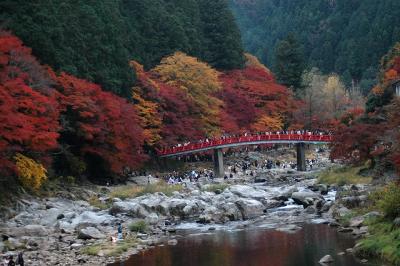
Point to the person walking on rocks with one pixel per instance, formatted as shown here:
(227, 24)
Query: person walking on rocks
(11, 261)
(20, 259)
(119, 231)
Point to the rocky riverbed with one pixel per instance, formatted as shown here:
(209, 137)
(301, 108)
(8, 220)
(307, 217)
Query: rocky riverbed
(57, 231)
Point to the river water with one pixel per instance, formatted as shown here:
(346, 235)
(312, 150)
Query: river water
(251, 247)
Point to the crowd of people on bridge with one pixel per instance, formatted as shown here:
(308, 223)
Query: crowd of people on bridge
(225, 136)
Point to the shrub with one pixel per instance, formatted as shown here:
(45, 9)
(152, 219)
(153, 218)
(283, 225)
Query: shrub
(31, 174)
(130, 191)
(343, 175)
(389, 201)
(216, 188)
(110, 249)
(138, 227)
(382, 242)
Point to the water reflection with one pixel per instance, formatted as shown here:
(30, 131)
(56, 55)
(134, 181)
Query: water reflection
(253, 247)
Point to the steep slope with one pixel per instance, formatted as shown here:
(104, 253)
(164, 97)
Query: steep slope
(346, 37)
(95, 40)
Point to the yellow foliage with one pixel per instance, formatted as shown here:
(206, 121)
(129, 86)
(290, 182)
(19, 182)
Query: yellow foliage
(378, 90)
(253, 61)
(31, 174)
(199, 81)
(268, 123)
(335, 96)
(149, 118)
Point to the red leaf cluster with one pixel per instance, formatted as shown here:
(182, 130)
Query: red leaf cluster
(105, 124)
(28, 109)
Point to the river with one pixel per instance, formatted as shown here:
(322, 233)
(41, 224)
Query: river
(252, 247)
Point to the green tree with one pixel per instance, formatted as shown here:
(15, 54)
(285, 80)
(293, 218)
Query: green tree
(289, 63)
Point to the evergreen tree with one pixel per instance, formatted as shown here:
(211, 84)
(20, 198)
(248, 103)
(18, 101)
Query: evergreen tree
(96, 39)
(289, 66)
(341, 36)
(221, 35)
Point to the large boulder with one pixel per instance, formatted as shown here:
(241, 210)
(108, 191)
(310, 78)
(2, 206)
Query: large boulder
(176, 207)
(90, 233)
(326, 260)
(35, 230)
(211, 214)
(356, 221)
(248, 192)
(130, 208)
(231, 211)
(155, 203)
(305, 198)
(250, 208)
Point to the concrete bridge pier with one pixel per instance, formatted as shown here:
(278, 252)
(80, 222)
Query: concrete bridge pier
(218, 163)
(301, 156)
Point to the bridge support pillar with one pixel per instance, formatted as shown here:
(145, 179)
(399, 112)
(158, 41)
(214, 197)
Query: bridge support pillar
(218, 163)
(301, 156)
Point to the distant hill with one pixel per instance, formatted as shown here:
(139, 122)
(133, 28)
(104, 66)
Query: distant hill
(344, 36)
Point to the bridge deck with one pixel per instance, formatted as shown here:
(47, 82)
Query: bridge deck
(245, 140)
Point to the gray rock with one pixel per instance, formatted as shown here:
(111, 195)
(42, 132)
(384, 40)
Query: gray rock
(271, 204)
(152, 218)
(341, 253)
(354, 201)
(349, 250)
(396, 222)
(245, 191)
(250, 208)
(305, 198)
(310, 210)
(373, 214)
(327, 205)
(131, 208)
(345, 230)
(356, 221)
(90, 233)
(176, 207)
(231, 211)
(341, 212)
(323, 189)
(35, 230)
(326, 259)
(76, 245)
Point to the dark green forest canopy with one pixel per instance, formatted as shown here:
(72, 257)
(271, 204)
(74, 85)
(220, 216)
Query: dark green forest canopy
(344, 36)
(95, 39)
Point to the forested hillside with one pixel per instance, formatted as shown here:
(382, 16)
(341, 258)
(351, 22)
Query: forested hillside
(95, 40)
(341, 36)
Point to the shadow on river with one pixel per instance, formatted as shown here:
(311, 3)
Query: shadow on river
(251, 247)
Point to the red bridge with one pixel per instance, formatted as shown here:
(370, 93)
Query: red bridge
(218, 145)
(244, 140)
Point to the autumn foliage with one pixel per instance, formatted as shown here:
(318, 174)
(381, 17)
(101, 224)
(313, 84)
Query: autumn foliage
(42, 114)
(28, 108)
(374, 136)
(253, 100)
(101, 123)
(70, 125)
(31, 174)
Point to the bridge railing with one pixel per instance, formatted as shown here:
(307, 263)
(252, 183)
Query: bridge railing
(244, 139)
